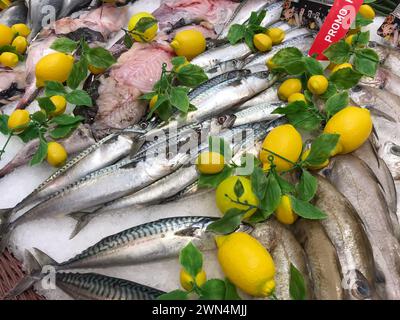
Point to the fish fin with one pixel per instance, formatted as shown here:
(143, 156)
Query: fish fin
(137, 143)
(43, 259)
(34, 275)
(82, 220)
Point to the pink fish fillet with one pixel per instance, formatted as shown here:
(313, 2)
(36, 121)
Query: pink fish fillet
(105, 19)
(216, 12)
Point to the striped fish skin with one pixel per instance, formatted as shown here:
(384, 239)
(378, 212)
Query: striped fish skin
(93, 286)
(152, 241)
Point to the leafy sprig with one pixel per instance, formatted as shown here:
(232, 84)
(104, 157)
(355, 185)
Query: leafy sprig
(173, 87)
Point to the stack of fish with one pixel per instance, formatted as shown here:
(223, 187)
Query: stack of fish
(353, 254)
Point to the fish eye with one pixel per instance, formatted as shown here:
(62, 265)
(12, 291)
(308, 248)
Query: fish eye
(221, 119)
(356, 89)
(143, 125)
(361, 290)
(395, 150)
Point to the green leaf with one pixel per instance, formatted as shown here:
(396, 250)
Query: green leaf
(321, 149)
(213, 289)
(361, 39)
(4, 124)
(287, 56)
(336, 103)
(345, 78)
(46, 104)
(128, 40)
(248, 39)
(238, 188)
(329, 92)
(63, 131)
(230, 221)
(306, 210)
(179, 98)
(366, 62)
(191, 259)
(295, 68)
(30, 133)
(297, 286)
(148, 96)
(78, 73)
(361, 21)
(301, 115)
(100, 58)
(174, 295)
(236, 33)
(259, 216)
(338, 52)
(178, 61)
(79, 98)
(286, 187)
(39, 117)
(41, 152)
(272, 196)
(213, 180)
(54, 88)
(65, 45)
(231, 292)
(191, 76)
(66, 119)
(307, 186)
(313, 66)
(257, 17)
(259, 183)
(145, 23)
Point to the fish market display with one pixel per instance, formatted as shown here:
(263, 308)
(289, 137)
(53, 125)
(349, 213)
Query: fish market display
(204, 141)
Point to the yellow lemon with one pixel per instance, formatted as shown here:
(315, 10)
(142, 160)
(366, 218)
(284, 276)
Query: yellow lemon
(20, 43)
(210, 162)
(6, 35)
(60, 103)
(353, 124)
(270, 65)
(153, 102)
(95, 70)
(284, 213)
(225, 196)
(284, 141)
(18, 120)
(9, 59)
(54, 67)
(246, 263)
(187, 280)
(56, 154)
(349, 39)
(342, 66)
(276, 34)
(288, 87)
(316, 167)
(262, 42)
(367, 12)
(21, 29)
(317, 84)
(296, 97)
(146, 36)
(189, 43)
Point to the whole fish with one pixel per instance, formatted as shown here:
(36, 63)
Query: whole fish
(86, 286)
(70, 6)
(242, 14)
(285, 250)
(257, 113)
(17, 12)
(369, 155)
(79, 140)
(98, 187)
(269, 95)
(384, 80)
(354, 178)
(345, 230)
(322, 260)
(153, 241)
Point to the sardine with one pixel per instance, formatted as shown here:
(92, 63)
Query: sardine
(345, 230)
(285, 250)
(153, 241)
(17, 12)
(322, 260)
(257, 113)
(269, 95)
(86, 286)
(354, 178)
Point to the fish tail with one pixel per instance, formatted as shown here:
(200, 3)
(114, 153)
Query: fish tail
(82, 220)
(5, 228)
(34, 275)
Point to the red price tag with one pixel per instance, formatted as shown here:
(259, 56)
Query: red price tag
(337, 23)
